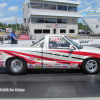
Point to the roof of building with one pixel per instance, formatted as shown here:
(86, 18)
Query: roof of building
(59, 1)
(55, 14)
(63, 1)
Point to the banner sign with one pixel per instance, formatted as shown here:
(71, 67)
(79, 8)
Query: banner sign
(91, 13)
(56, 26)
(24, 37)
(8, 30)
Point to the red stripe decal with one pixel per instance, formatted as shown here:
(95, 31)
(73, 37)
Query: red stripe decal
(45, 58)
(79, 53)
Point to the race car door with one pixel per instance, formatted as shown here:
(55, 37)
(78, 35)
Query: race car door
(59, 55)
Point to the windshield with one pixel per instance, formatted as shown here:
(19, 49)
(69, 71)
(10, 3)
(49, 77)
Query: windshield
(74, 43)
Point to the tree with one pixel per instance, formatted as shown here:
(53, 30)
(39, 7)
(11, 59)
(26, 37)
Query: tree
(9, 25)
(80, 26)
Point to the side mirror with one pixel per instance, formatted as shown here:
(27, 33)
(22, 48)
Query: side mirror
(71, 47)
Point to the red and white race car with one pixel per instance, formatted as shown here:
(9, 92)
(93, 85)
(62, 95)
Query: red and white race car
(55, 52)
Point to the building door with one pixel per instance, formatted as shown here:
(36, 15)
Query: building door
(54, 31)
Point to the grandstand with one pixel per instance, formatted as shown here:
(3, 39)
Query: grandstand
(93, 24)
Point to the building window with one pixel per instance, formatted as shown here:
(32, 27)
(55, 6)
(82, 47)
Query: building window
(70, 21)
(64, 21)
(65, 8)
(53, 7)
(59, 20)
(33, 5)
(28, 5)
(40, 5)
(47, 6)
(37, 31)
(47, 20)
(40, 20)
(34, 20)
(46, 31)
(74, 21)
(72, 31)
(36, 5)
(53, 20)
(70, 8)
(59, 7)
(62, 31)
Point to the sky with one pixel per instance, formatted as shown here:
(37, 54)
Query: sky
(10, 10)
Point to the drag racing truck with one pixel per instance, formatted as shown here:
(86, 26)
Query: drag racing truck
(51, 52)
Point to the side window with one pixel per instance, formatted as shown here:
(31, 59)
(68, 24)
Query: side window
(56, 42)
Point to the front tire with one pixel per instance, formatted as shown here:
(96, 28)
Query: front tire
(16, 66)
(91, 66)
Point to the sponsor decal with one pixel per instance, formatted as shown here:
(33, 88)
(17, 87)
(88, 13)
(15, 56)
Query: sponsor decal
(85, 41)
(44, 65)
(91, 13)
(65, 64)
(50, 44)
(51, 63)
(38, 59)
(55, 38)
(32, 58)
(1, 63)
(58, 40)
(37, 67)
(73, 65)
(70, 65)
(57, 64)
(31, 65)
(56, 26)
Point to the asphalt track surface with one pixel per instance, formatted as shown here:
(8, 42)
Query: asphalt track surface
(49, 84)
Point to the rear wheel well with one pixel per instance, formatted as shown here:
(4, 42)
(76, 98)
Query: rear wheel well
(13, 58)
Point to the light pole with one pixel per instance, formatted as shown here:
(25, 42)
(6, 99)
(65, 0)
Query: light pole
(16, 23)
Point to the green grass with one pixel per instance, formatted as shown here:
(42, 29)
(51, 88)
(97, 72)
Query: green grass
(73, 37)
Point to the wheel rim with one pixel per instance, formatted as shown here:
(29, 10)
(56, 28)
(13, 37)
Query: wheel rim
(16, 65)
(91, 65)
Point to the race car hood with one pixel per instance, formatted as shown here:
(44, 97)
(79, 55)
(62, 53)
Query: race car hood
(90, 49)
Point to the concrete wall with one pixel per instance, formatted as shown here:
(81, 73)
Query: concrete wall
(43, 26)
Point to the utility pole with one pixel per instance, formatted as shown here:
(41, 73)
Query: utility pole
(16, 23)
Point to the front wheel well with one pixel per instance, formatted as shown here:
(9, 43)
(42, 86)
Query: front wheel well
(91, 65)
(89, 58)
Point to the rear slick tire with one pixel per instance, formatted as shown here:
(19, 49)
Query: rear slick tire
(16, 66)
